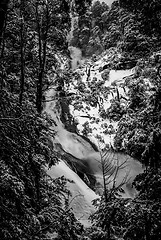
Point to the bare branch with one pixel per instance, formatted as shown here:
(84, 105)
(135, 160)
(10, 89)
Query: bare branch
(78, 195)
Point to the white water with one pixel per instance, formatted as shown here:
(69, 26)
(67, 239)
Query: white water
(70, 142)
(116, 75)
(76, 55)
(82, 195)
(127, 169)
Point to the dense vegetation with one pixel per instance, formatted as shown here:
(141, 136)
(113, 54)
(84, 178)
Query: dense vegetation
(32, 35)
(133, 27)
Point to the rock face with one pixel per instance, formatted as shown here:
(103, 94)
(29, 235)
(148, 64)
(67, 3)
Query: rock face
(105, 75)
(125, 64)
(106, 66)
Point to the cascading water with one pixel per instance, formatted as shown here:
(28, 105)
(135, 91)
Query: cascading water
(76, 147)
(76, 56)
(75, 53)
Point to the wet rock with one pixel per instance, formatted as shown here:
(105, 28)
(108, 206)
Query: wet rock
(100, 69)
(105, 75)
(106, 66)
(123, 65)
(94, 58)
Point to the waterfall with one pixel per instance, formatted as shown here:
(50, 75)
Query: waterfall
(75, 53)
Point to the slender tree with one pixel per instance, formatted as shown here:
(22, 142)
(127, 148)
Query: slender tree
(110, 209)
(22, 49)
(3, 12)
(42, 39)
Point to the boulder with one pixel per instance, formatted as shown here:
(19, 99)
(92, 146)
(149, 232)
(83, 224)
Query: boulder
(106, 66)
(105, 74)
(126, 65)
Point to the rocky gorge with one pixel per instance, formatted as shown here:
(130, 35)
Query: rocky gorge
(85, 126)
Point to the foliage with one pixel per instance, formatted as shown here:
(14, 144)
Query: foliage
(137, 94)
(32, 205)
(96, 233)
(97, 10)
(116, 110)
(143, 212)
(82, 6)
(88, 33)
(86, 129)
(3, 13)
(131, 219)
(24, 153)
(110, 216)
(126, 25)
(138, 131)
(147, 12)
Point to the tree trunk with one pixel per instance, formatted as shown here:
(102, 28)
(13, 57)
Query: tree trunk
(42, 56)
(3, 38)
(22, 82)
(3, 11)
(147, 227)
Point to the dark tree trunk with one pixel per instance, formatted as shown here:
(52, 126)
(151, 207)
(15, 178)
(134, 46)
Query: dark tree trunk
(3, 11)
(147, 227)
(40, 74)
(3, 38)
(22, 81)
(42, 56)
